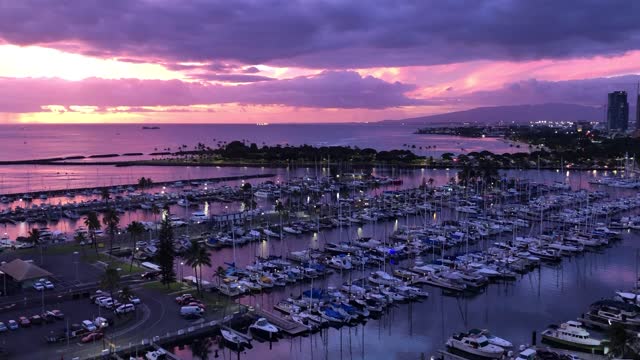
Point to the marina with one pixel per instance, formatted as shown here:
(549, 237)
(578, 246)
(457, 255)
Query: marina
(384, 253)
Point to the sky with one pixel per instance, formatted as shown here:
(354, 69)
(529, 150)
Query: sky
(251, 61)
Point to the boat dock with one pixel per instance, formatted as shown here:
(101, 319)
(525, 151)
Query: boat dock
(446, 355)
(246, 336)
(167, 354)
(289, 327)
(603, 325)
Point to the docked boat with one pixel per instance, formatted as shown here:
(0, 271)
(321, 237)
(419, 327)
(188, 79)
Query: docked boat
(287, 307)
(571, 334)
(264, 328)
(340, 263)
(498, 341)
(231, 338)
(382, 278)
(477, 345)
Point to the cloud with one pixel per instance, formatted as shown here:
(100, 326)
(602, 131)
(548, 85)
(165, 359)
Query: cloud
(325, 34)
(230, 78)
(584, 91)
(329, 89)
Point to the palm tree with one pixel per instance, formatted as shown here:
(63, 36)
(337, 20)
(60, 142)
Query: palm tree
(144, 183)
(34, 238)
(111, 221)
(155, 210)
(196, 257)
(125, 294)
(618, 339)
(135, 229)
(93, 224)
(201, 348)
(220, 274)
(110, 280)
(80, 239)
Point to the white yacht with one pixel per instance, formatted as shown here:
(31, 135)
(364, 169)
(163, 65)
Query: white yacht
(198, 217)
(264, 328)
(382, 278)
(475, 345)
(505, 344)
(572, 334)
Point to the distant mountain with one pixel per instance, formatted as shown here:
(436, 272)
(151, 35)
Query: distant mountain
(514, 113)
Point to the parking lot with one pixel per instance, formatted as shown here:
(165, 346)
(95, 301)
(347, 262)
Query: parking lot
(157, 315)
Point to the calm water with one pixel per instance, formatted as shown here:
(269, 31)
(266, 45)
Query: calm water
(43, 141)
(513, 310)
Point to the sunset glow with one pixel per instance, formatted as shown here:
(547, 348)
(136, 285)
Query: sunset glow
(267, 78)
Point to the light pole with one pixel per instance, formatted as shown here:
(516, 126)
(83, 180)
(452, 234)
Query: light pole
(75, 262)
(181, 274)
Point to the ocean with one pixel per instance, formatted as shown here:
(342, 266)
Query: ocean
(20, 141)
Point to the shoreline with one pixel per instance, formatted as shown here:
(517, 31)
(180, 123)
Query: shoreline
(276, 164)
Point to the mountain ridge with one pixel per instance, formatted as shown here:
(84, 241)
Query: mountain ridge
(512, 113)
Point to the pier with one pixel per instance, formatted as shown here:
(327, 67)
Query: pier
(62, 192)
(288, 327)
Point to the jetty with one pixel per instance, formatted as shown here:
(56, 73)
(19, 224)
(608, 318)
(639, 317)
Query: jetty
(289, 327)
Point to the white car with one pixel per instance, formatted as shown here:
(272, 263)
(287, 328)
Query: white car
(134, 300)
(125, 308)
(46, 283)
(100, 299)
(106, 302)
(89, 325)
(38, 286)
(101, 322)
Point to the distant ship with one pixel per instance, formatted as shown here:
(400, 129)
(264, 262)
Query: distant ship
(150, 127)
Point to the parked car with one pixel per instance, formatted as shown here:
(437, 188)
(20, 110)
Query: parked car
(24, 322)
(125, 308)
(184, 298)
(89, 325)
(38, 286)
(56, 314)
(3, 327)
(150, 275)
(47, 284)
(92, 337)
(100, 298)
(190, 311)
(107, 303)
(36, 320)
(13, 325)
(101, 322)
(134, 300)
(47, 318)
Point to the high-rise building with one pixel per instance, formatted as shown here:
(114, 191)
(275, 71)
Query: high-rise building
(638, 108)
(618, 111)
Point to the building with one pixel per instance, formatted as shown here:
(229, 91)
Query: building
(638, 108)
(20, 273)
(618, 111)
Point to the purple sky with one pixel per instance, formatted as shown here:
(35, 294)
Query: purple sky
(129, 60)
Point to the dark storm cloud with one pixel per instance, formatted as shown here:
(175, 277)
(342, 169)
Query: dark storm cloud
(345, 89)
(326, 34)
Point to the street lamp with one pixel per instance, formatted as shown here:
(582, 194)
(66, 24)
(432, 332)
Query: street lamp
(75, 261)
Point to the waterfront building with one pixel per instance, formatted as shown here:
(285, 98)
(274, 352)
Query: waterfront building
(617, 111)
(638, 107)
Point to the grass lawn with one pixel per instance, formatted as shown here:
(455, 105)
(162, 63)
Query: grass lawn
(91, 257)
(173, 287)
